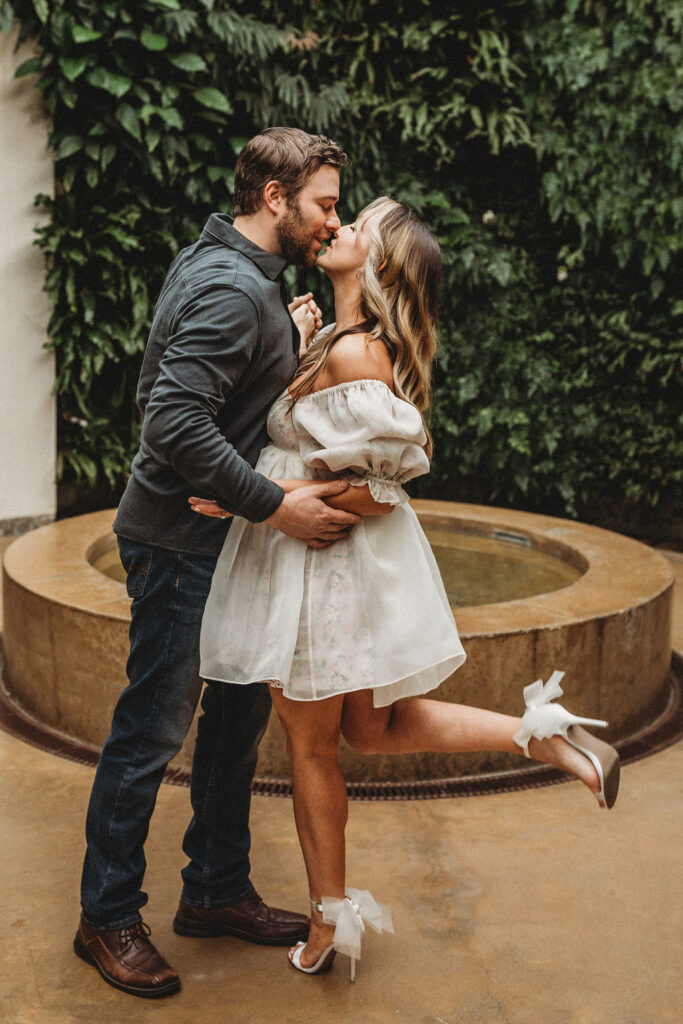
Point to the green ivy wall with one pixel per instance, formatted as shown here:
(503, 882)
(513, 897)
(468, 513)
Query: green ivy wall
(542, 141)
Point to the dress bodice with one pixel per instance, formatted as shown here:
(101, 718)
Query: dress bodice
(358, 430)
(280, 428)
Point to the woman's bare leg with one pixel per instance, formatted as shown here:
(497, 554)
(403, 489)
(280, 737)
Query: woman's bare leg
(420, 724)
(320, 802)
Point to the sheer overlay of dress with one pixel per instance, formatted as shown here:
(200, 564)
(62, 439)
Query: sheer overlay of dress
(368, 612)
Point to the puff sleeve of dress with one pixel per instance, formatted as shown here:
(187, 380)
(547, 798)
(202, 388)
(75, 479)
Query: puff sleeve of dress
(361, 431)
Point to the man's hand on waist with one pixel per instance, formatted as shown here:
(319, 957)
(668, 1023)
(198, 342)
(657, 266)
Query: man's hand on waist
(304, 515)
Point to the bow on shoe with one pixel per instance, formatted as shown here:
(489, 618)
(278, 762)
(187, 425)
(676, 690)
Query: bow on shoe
(351, 916)
(540, 719)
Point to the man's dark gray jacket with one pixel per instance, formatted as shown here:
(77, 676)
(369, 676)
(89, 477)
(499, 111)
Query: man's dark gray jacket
(222, 348)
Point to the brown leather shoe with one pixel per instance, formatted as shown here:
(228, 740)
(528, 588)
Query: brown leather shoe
(250, 919)
(127, 960)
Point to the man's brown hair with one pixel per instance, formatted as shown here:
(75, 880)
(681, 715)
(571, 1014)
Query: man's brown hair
(287, 155)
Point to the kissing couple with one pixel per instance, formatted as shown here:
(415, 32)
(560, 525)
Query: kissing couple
(271, 551)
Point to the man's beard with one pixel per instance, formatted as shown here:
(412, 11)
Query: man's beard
(294, 239)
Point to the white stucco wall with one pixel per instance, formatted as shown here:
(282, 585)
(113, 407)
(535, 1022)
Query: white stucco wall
(27, 409)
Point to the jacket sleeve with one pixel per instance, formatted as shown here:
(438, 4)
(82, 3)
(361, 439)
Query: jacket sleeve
(212, 339)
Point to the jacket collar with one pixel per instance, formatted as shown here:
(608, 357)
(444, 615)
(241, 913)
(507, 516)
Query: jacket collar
(219, 228)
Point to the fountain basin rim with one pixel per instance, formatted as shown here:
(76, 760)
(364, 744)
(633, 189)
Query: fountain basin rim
(54, 562)
(66, 635)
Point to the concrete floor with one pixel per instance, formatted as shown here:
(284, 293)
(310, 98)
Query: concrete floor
(509, 909)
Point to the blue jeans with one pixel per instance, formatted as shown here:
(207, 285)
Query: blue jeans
(152, 717)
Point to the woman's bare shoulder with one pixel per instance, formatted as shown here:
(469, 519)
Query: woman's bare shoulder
(357, 357)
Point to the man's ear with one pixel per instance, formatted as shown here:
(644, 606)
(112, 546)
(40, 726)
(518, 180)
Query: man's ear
(273, 196)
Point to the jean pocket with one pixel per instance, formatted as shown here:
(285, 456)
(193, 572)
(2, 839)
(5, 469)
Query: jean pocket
(136, 559)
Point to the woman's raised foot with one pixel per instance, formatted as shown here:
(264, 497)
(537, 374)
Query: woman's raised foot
(551, 734)
(556, 751)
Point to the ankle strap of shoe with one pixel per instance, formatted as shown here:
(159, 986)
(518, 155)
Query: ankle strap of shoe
(316, 906)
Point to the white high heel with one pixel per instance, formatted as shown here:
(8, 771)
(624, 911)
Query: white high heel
(322, 964)
(542, 720)
(350, 916)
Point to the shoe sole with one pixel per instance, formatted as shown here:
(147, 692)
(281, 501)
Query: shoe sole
(602, 754)
(194, 930)
(81, 950)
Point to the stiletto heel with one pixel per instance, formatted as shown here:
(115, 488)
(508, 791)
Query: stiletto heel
(542, 720)
(349, 916)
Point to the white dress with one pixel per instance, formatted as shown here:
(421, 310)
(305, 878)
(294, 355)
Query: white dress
(369, 612)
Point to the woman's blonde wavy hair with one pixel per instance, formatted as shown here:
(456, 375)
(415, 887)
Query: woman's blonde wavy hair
(400, 283)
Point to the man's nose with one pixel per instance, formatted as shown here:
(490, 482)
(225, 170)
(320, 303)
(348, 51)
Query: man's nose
(333, 223)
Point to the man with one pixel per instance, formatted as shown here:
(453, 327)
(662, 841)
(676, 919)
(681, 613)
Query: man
(222, 347)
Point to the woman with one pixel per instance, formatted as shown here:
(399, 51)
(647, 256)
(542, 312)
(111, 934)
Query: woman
(348, 637)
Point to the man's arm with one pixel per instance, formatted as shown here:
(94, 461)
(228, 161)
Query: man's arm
(303, 513)
(210, 346)
(211, 341)
(352, 499)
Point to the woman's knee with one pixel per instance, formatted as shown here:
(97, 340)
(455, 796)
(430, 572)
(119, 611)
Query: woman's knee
(303, 744)
(363, 733)
(310, 730)
(323, 744)
(363, 740)
(364, 726)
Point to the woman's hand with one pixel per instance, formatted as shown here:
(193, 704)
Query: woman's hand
(308, 318)
(206, 507)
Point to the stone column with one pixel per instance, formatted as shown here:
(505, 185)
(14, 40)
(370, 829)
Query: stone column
(27, 372)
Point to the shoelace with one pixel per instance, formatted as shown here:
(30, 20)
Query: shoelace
(128, 936)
